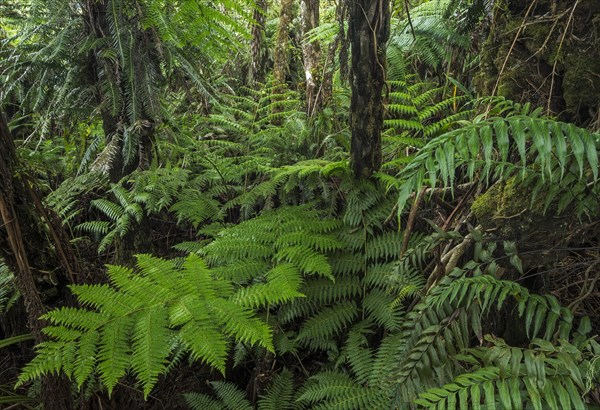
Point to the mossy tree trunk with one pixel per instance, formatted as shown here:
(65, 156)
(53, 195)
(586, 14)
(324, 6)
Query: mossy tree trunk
(369, 29)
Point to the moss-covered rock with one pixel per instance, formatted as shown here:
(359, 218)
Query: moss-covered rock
(506, 209)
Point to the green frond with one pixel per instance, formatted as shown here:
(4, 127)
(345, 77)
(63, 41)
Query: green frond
(110, 209)
(548, 151)
(280, 394)
(134, 323)
(198, 401)
(231, 396)
(206, 343)
(114, 355)
(51, 358)
(151, 346)
(514, 377)
(489, 292)
(283, 285)
(380, 308)
(317, 330)
(357, 353)
(334, 390)
(386, 246)
(324, 291)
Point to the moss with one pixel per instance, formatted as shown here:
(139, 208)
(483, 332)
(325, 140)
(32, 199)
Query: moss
(507, 207)
(484, 207)
(581, 84)
(539, 68)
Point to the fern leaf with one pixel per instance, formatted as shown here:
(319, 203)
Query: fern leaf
(280, 394)
(151, 346)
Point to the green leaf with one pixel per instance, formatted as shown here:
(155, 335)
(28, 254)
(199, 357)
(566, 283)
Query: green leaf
(591, 150)
(520, 139)
(489, 396)
(15, 339)
(502, 138)
(577, 146)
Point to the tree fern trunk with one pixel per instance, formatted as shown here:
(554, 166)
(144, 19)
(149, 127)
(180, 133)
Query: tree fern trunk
(311, 52)
(258, 65)
(280, 63)
(369, 29)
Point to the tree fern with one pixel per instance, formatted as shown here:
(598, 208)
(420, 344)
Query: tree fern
(133, 324)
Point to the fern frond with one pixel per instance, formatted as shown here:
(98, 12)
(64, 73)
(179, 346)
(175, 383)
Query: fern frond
(334, 390)
(545, 148)
(134, 323)
(318, 329)
(280, 394)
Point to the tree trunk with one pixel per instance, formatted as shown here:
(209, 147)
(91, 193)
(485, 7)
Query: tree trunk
(280, 63)
(369, 29)
(258, 65)
(311, 52)
(56, 392)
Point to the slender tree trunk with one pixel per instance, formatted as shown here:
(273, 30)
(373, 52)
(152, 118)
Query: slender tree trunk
(258, 65)
(311, 52)
(280, 63)
(369, 29)
(56, 392)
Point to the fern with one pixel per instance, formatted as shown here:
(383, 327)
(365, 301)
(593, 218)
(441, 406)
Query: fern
(66, 198)
(280, 394)
(548, 151)
(541, 376)
(432, 348)
(133, 323)
(8, 292)
(121, 215)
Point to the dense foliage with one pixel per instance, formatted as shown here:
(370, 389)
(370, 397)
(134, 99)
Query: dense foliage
(226, 254)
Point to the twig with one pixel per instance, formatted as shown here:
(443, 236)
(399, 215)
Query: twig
(562, 39)
(411, 222)
(512, 46)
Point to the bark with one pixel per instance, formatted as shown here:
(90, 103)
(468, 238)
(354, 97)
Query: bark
(369, 29)
(280, 63)
(311, 52)
(56, 392)
(258, 65)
